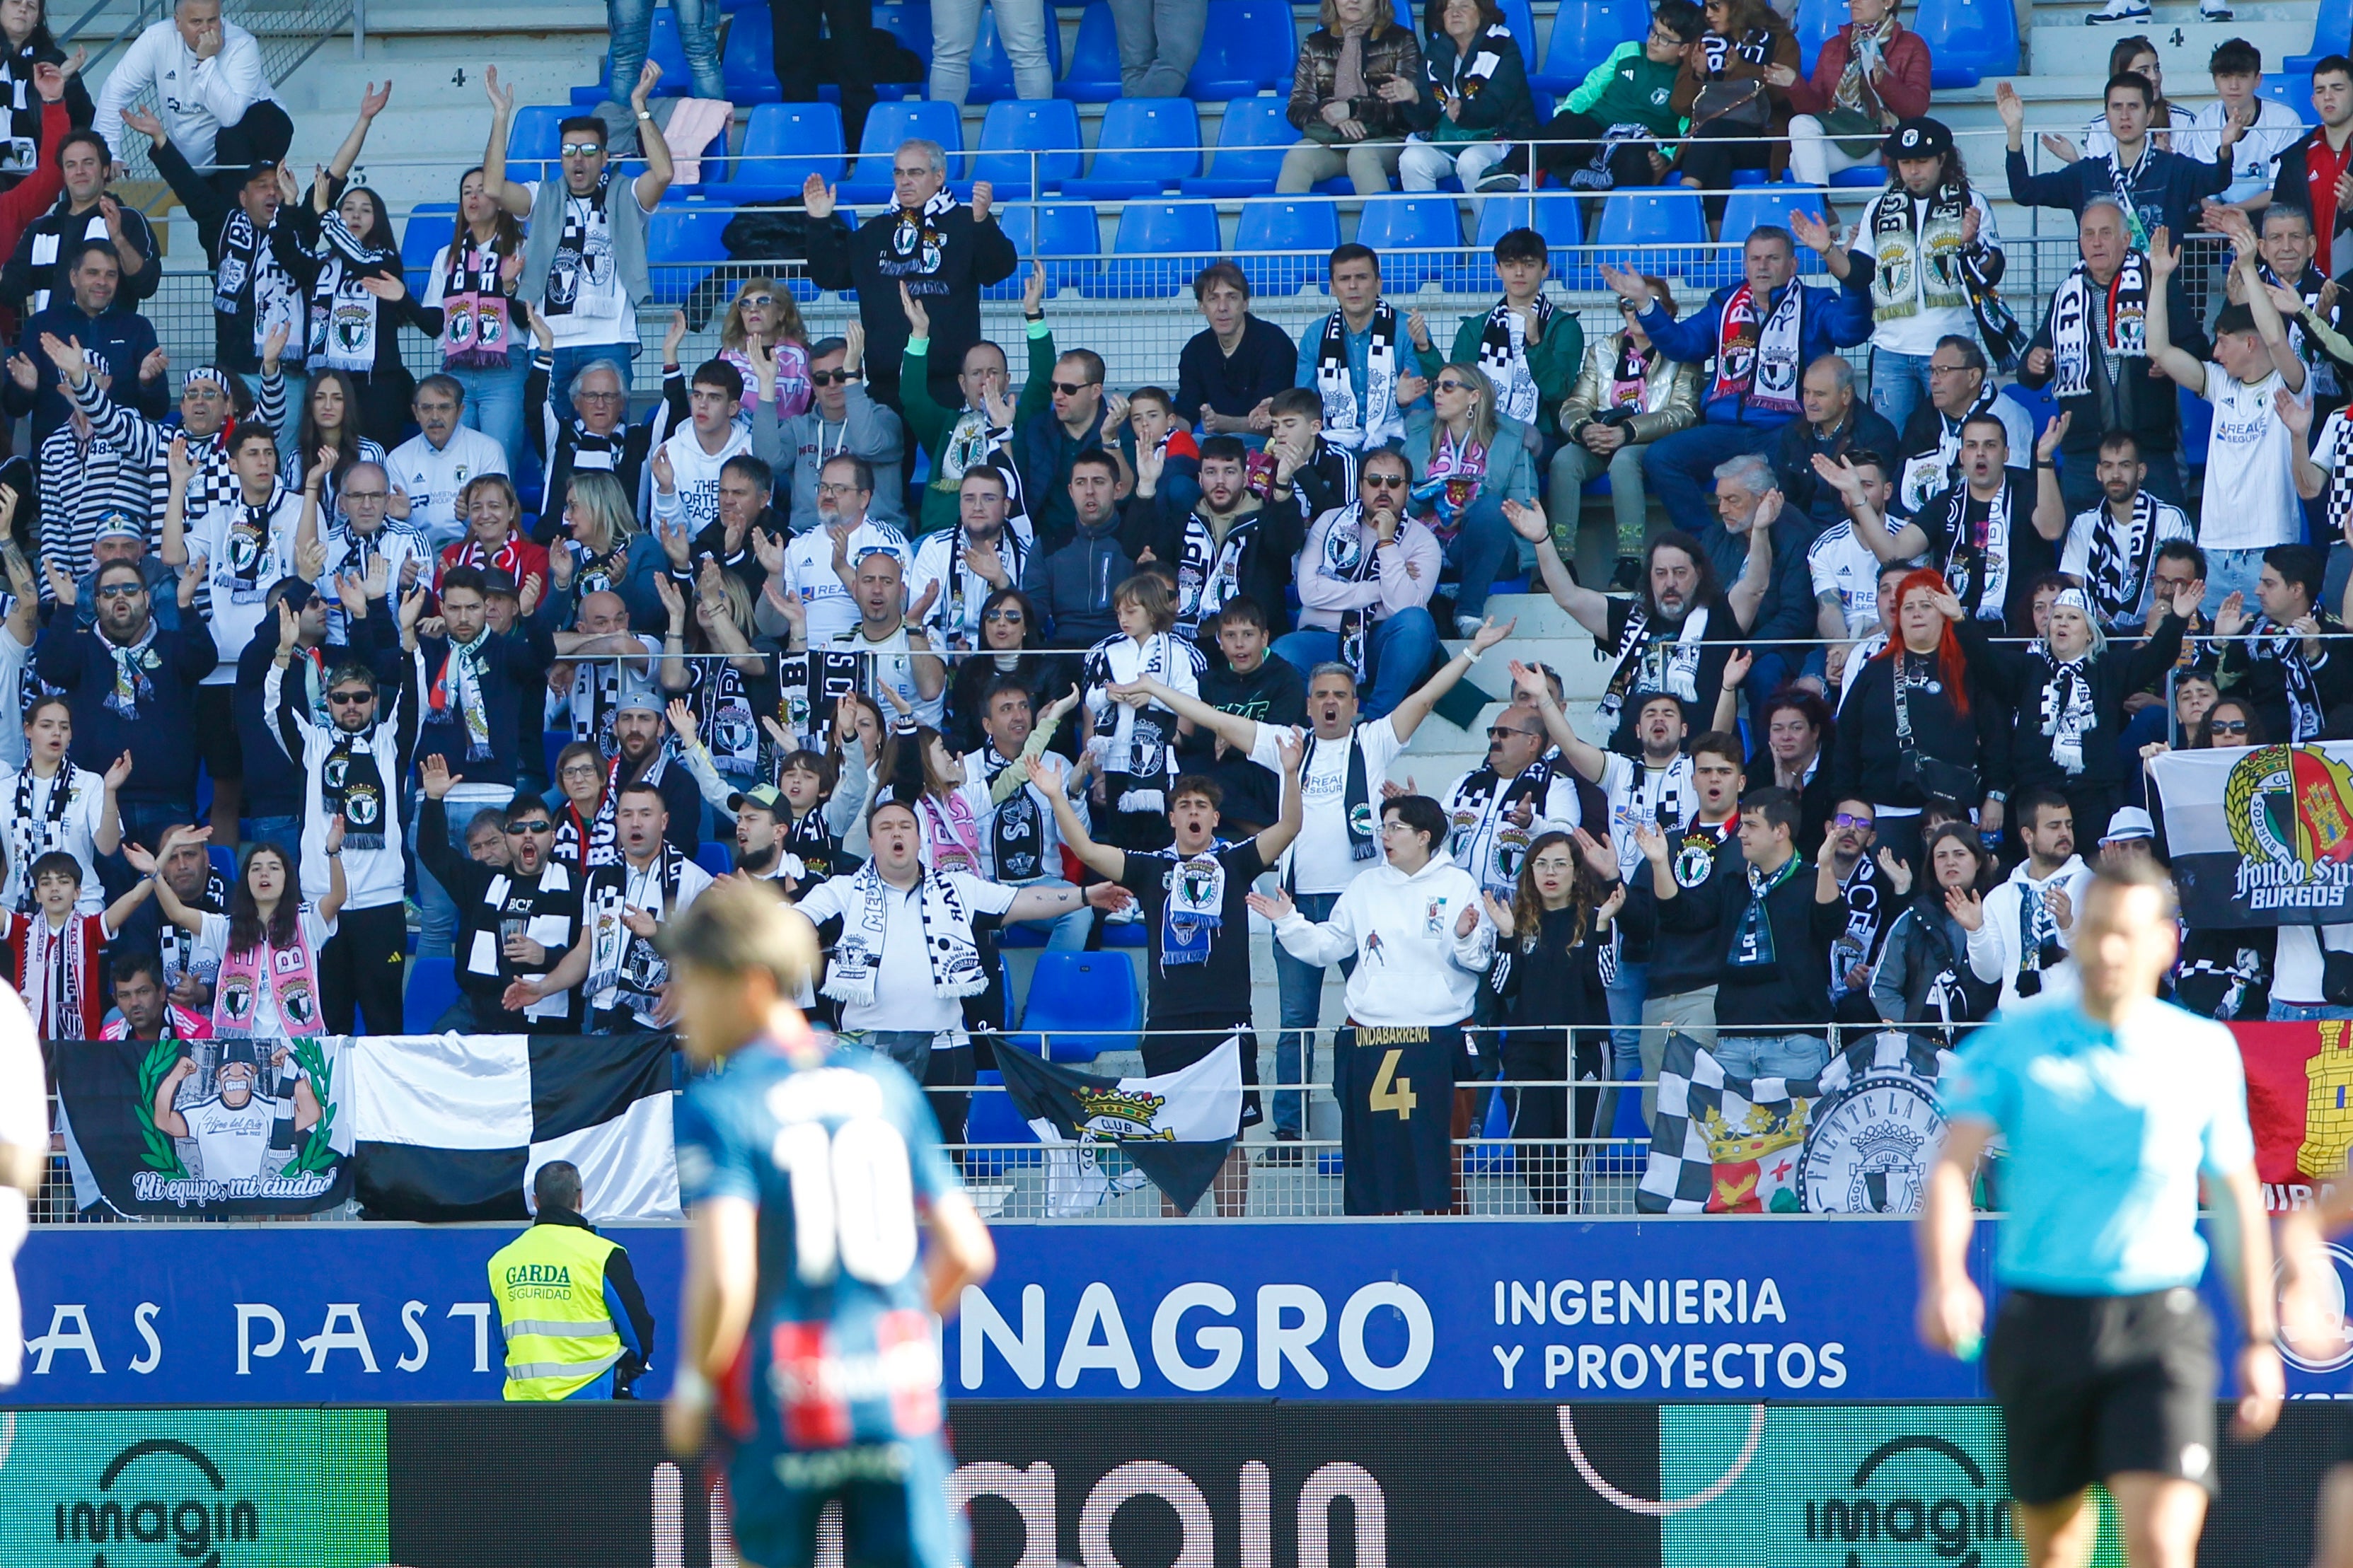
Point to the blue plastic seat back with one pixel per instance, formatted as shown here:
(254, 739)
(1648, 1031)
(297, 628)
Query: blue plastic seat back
(430, 224)
(784, 143)
(713, 858)
(1159, 248)
(1065, 234)
(1249, 45)
(995, 1119)
(889, 124)
(1253, 137)
(1308, 224)
(1414, 234)
(2332, 34)
(1818, 23)
(747, 61)
(533, 140)
(1146, 146)
(683, 244)
(1014, 129)
(2293, 92)
(1556, 215)
(1661, 231)
(432, 987)
(1089, 998)
(1583, 35)
(1757, 206)
(1093, 73)
(1968, 40)
(909, 21)
(992, 68)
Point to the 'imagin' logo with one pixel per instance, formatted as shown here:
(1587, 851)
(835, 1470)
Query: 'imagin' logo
(1909, 1509)
(145, 1512)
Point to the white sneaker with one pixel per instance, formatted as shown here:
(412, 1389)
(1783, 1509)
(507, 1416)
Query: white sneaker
(2120, 11)
(2214, 11)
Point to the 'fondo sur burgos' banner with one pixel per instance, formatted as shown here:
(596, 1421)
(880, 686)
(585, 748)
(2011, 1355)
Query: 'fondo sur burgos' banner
(2261, 836)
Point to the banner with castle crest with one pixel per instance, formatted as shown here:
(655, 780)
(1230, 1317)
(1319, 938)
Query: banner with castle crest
(1176, 1127)
(1856, 1138)
(2260, 836)
(2300, 1104)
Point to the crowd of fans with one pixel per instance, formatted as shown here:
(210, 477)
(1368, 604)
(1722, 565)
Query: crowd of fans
(936, 649)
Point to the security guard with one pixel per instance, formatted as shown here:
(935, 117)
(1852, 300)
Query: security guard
(574, 1321)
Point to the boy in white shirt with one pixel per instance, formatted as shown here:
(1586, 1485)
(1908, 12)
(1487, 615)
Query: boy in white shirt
(685, 467)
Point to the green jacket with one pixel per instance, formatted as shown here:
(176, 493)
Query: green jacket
(1553, 361)
(1630, 91)
(930, 423)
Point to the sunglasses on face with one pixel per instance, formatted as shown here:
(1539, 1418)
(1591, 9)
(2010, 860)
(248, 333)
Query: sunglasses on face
(1847, 819)
(1073, 388)
(761, 301)
(1011, 616)
(349, 699)
(581, 149)
(2228, 726)
(1505, 731)
(1449, 383)
(540, 826)
(829, 378)
(120, 590)
(1384, 481)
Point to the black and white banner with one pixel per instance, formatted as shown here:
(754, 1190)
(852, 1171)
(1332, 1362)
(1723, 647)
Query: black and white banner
(1177, 1127)
(452, 1127)
(2260, 836)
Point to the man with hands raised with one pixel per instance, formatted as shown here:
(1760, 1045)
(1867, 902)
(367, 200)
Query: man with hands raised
(94, 464)
(685, 467)
(513, 920)
(2284, 659)
(981, 429)
(945, 252)
(122, 341)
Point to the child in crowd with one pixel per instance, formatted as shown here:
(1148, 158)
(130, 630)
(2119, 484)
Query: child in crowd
(1134, 737)
(58, 954)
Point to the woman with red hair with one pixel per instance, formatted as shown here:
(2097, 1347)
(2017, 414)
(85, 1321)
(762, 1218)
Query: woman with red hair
(1916, 725)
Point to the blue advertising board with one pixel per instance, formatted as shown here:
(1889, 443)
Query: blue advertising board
(1732, 1308)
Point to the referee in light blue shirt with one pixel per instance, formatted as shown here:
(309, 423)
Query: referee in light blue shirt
(2102, 1358)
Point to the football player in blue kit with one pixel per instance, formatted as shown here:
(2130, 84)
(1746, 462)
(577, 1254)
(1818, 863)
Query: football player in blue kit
(809, 1311)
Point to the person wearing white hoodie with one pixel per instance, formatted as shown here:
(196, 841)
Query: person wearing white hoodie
(2020, 932)
(1421, 942)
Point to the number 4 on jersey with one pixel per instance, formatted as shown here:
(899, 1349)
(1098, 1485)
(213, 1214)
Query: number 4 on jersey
(1391, 1093)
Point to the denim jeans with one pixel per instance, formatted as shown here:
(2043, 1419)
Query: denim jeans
(1772, 1056)
(2230, 571)
(1625, 996)
(1680, 470)
(571, 361)
(283, 831)
(2303, 1012)
(1480, 553)
(1020, 28)
(494, 406)
(1899, 383)
(1400, 647)
(631, 24)
(439, 909)
(1159, 41)
(290, 435)
(1300, 984)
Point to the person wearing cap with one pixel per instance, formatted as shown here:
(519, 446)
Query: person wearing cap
(209, 82)
(120, 538)
(1931, 240)
(641, 756)
(351, 765)
(93, 465)
(42, 262)
(1872, 76)
(513, 920)
(473, 680)
(762, 819)
(122, 341)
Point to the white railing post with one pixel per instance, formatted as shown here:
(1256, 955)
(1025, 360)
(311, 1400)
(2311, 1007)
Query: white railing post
(359, 30)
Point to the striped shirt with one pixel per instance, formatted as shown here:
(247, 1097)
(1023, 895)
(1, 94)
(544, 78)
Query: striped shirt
(83, 481)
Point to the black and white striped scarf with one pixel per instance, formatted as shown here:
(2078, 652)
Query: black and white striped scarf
(1504, 356)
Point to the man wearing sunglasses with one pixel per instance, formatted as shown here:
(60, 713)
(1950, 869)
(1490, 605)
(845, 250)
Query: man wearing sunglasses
(352, 768)
(514, 922)
(1495, 811)
(597, 432)
(1077, 421)
(944, 251)
(982, 427)
(1366, 574)
(843, 420)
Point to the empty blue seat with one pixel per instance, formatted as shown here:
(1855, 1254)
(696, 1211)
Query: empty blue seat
(1521, 19)
(1159, 248)
(683, 244)
(992, 68)
(432, 987)
(1818, 23)
(1582, 37)
(1491, 1158)
(784, 144)
(224, 858)
(1252, 139)
(1968, 40)
(2332, 34)
(1868, 176)
(1082, 1004)
(1146, 146)
(1018, 127)
(533, 140)
(887, 125)
(431, 224)
(1647, 227)
(909, 21)
(714, 857)
(2295, 91)
(1093, 75)
(1247, 45)
(747, 60)
(995, 1119)
(1754, 208)
(1310, 224)
(1412, 235)
(1064, 234)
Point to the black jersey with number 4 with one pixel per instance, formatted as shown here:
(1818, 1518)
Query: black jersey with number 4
(1395, 1089)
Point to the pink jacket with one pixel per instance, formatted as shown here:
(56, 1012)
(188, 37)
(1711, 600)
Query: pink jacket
(1903, 90)
(1392, 588)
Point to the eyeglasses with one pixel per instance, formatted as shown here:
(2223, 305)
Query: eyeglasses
(580, 771)
(826, 488)
(1847, 819)
(1948, 369)
(542, 826)
(1383, 482)
(349, 699)
(762, 300)
(581, 149)
(121, 590)
(350, 496)
(1014, 617)
(831, 377)
(587, 397)
(1073, 388)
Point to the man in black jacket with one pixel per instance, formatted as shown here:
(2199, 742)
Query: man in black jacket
(1072, 586)
(514, 922)
(84, 211)
(1773, 927)
(944, 252)
(1226, 546)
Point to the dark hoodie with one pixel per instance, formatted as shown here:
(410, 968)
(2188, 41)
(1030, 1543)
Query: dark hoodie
(1072, 586)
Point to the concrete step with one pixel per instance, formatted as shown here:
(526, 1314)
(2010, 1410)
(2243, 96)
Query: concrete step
(2064, 43)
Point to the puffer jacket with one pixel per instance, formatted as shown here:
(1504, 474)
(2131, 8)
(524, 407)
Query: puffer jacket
(1498, 108)
(1391, 52)
(1669, 393)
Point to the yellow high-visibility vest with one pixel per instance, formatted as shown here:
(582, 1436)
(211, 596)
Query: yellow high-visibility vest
(549, 1283)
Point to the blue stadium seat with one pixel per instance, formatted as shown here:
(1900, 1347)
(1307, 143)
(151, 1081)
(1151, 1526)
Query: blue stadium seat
(1252, 139)
(1757, 206)
(909, 21)
(2295, 91)
(1093, 75)
(1640, 224)
(1582, 37)
(1014, 129)
(2332, 34)
(1521, 19)
(682, 245)
(1306, 224)
(714, 857)
(1159, 248)
(1552, 213)
(784, 144)
(1968, 40)
(1092, 993)
(224, 858)
(1492, 1159)
(1249, 45)
(887, 125)
(533, 140)
(1412, 235)
(432, 987)
(663, 48)
(747, 60)
(1067, 235)
(2197, 425)
(995, 1119)
(1868, 177)
(429, 226)
(1144, 146)
(1818, 23)
(992, 68)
